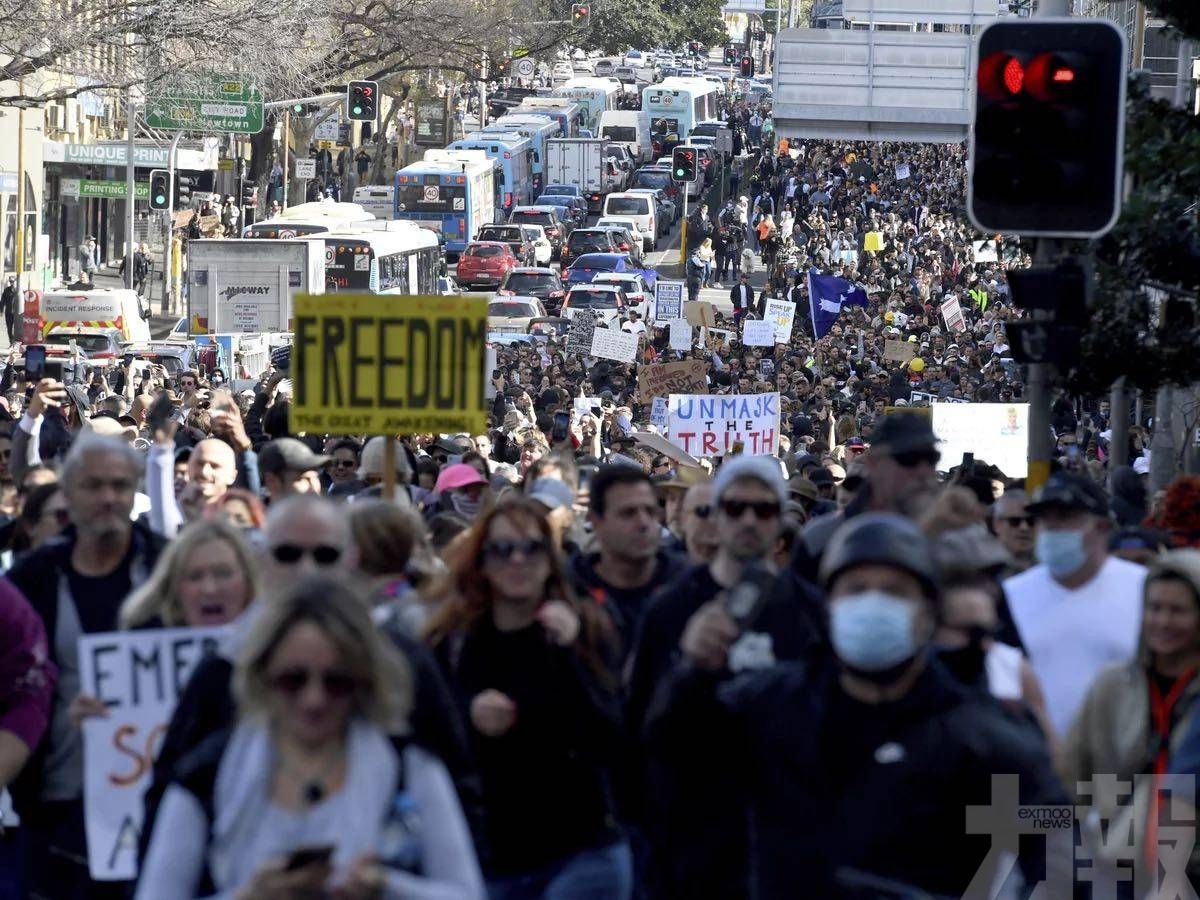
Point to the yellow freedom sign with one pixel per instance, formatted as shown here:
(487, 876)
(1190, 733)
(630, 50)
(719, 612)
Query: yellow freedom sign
(389, 364)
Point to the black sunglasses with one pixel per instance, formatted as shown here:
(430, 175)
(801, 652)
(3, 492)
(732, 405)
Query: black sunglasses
(322, 554)
(703, 511)
(507, 549)
(344, 463)
(334, 682)
(910, 459)
(763, 509)
(1014, 521)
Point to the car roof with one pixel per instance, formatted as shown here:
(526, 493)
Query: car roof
(619, 276)
(591, 288)
(591, 229)
(601, 257)
(515, 298)
(487, 244)
(540, 207)
(532, 270)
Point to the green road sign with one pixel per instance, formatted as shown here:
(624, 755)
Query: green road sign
(228, 105)
(519, 52)
(109, 190)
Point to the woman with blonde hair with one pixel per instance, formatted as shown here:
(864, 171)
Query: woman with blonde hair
(205, 576)
(531, 664)
(314, 792)
(705, 254)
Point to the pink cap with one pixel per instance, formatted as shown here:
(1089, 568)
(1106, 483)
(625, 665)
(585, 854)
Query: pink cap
(457, 476)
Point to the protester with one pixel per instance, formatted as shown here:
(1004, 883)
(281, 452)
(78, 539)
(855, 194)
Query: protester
(322, 698)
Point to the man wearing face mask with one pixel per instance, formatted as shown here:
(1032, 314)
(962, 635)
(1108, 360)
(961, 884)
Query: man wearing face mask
(866, 760)
(1079, 609)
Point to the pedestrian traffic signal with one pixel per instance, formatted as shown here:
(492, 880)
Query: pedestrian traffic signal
(747, 66)
(304, 110)
(581, 15)
(160, 189)
(184, 185)
(683, 165)
(362, 101)
(730, 56)
(1046, 148)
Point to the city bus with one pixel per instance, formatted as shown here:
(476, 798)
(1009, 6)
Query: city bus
(563, 111)
(538, 129)
(309, 218)
(404, 260)
(514, 157)
(675, 106)
(452, 192)
(593, 96)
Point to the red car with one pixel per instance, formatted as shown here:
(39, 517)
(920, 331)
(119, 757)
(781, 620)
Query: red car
(485, 263)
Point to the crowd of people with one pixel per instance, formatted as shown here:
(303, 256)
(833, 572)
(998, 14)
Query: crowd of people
(579, 666)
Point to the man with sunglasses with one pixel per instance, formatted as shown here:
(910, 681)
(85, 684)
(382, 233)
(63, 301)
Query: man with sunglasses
(1014, 526)
(693, 822)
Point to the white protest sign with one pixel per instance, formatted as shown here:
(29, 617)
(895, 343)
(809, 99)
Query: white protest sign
(618, 345)
(758, 333)
(902, 172)
(658, 413)
(781, 314)
(952, 315)
(681, 335)
(997, 433)
(668, 300)
(139, 676)
(306, 168)
(710, 424)
(985, 251)
(586, 404)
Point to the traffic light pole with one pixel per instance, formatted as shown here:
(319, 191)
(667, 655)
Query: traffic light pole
(169, 223)
(287, 121)
(683, 232)
(1038, 386)
(130, 194)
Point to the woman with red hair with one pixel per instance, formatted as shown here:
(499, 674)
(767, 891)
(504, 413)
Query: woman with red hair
(529, 662)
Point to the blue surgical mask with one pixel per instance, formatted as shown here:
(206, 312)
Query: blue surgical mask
(1062, 552)
(873, 631)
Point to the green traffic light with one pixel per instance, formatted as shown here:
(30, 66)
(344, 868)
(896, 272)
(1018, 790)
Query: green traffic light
(358, 110)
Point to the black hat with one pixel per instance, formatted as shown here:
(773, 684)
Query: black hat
(881, 539)
(1065, 490)
(902, 433)
(287, 453)
(820, 476)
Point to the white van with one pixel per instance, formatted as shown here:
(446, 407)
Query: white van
(95, 312)
(377, 199)
(639, 208)
(628, 127)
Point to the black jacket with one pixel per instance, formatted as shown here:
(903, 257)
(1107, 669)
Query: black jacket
(37, 575)
(835, 784)
(693, 820)
(207, 707)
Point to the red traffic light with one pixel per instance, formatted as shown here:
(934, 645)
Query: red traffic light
(1014, 75)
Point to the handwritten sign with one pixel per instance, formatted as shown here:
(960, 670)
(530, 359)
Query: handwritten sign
(139, 676)
(710, 424)
(758, 333)
(899, 351)
(686, 377)
(658, 413)
(608, 343)
(583, 326)
(781, 314)
(668, 300)
(681, 335)
(952, 315)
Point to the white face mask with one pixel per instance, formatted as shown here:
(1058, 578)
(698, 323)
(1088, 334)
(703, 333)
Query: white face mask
(872, 631)
(1062, 552)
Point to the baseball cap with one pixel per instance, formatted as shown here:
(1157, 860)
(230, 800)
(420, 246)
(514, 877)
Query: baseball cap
(761, 468)
(552, 493)
(457, 476)
(1068, 491)
(370, 462)
(288, 453)
(903, 432)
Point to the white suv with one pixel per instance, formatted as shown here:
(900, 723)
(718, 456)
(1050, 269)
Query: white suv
(640, 209)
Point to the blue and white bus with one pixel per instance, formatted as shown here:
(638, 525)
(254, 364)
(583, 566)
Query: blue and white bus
(675, 106)
(593, 96)
(451, 191)
(538, 129)
(514, 156)
(563, 111)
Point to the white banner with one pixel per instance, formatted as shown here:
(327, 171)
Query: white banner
(997, 433)
(952, 315)
(139, 676)
(681, 335)
(710, 424)
(758, 333)
(781, 314)
(607, 343)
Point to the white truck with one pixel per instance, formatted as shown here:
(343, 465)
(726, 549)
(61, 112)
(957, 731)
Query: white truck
(584, 162)
(246, 285)
(628, 127)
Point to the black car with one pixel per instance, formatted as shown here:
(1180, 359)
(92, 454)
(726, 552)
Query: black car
(588, 240)
(510, 234)
(535, 281)
(546, 216)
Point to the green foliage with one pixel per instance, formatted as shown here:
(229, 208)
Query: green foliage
(621, 24)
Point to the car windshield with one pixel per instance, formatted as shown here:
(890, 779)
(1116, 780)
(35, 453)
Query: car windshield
(594, 263)
(629, 206)
(534, 217)
(594, 300)
(589, 241)
(558, 190)
(652, 179)
(522, 283)
(485, 251)
(88, 343)
(508, 235)
(512, 310)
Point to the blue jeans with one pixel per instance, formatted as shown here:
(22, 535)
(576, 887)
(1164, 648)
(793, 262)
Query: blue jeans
(605, 873)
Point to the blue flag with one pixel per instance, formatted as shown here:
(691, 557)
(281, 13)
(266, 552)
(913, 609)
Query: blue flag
(826, 296)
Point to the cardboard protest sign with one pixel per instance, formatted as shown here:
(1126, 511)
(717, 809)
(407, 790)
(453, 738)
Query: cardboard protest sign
(952, 315)
(579, 338)
(360, 365)
(660, 444)
(997, 433)
(781, 314)
(710, 424)
(608, 343)
(902, 172)
(758, 333)
(681, 335)
(715, 337)
(699, 312)
(899, 351)
(668, 300)
(685, 377)
(658, 413)
(139, 676)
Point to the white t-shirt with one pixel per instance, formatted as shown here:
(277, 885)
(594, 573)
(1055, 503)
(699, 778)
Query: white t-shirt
(1070, 635)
